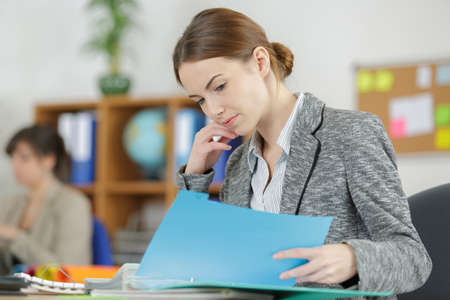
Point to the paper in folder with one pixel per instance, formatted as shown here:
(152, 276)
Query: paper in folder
(202, 243)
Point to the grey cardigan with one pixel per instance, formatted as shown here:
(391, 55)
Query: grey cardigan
(341, 164)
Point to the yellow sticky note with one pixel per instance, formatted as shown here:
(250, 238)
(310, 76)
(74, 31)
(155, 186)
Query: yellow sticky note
(442, 139)
(384, 80)
(365, 81)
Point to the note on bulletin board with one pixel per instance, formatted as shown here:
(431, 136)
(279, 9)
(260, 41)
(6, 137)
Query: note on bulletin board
(412, 100)
(411, 116)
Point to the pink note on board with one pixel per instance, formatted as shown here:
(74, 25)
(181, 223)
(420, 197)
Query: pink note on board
(398, 128)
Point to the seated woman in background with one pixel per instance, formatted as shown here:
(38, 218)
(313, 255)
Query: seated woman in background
(51, 223)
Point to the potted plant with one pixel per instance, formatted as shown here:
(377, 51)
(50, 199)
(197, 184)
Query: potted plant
(111, 25)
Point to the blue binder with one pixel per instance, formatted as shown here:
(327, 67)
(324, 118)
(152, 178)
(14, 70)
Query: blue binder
(83, 149)
(187, 122)
(221, 164)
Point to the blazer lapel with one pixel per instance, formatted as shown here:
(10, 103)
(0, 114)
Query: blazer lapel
(304, 151)
(241, 182)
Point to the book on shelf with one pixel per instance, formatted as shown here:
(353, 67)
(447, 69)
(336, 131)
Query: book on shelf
(220, 166)
(78, 131)
(187, 122)
(65, 124)
(127, 241)
(221, 163)
(131, 241)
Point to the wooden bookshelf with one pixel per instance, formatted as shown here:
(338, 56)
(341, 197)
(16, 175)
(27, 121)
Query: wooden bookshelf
(88, 189)
(119, 188)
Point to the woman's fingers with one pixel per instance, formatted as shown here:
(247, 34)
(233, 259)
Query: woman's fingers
(321, 276)
(306, 253)
(206, 150)
(208, 132)
(224, 140)
(305, 270)
(213, 146)
(331, 263)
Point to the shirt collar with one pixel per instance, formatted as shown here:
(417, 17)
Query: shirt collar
(284, 140)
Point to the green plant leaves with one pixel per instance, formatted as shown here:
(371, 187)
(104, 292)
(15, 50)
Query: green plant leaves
(110, 28)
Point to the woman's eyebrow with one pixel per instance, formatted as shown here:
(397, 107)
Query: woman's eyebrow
(209, 83)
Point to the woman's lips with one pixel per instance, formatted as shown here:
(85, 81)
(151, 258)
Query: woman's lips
(230, 121)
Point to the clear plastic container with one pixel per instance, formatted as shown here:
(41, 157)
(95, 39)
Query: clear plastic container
(134, 282)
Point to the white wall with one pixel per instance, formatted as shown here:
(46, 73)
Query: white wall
(41, 58)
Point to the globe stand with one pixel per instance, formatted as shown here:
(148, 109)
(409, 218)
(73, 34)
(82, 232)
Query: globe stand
(152, 173)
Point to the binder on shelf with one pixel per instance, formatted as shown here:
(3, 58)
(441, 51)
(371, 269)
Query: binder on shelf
(83, 148)
(65, 129)
(187, 122)
(221, 164)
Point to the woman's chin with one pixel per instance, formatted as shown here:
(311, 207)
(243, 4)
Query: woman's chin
(243, 131)
(24, 183)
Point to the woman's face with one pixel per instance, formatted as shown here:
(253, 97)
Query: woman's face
(28, 167)
(230, 92)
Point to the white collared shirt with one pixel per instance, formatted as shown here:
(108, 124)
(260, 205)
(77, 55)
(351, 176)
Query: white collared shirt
(269, 199)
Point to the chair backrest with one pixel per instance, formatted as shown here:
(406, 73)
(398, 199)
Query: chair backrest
(430, 213)
(101, 246)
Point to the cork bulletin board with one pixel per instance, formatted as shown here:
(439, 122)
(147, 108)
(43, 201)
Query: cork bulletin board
(412, 100)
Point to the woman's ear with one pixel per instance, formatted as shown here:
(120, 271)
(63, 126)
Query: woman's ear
(262, 59)
(49, 162)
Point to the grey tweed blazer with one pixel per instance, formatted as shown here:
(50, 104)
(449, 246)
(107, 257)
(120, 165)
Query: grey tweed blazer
(341, 164)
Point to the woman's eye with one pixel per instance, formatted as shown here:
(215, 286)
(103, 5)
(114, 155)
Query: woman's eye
(220, 87)
(200, 101)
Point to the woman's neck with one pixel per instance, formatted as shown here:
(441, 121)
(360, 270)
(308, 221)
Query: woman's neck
(40, 189)
(35, 200)
(279, 109)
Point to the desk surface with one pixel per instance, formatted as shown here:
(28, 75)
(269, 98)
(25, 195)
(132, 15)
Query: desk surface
(185, 296)
(30, 297)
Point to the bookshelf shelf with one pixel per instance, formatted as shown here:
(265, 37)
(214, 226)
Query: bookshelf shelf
(214, 189)
(137, 188)
(67, 107)
(48, 113)
(88, 189)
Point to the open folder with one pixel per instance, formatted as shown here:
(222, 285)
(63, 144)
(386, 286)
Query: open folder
(206, 244)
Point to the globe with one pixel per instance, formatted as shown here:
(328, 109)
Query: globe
(144, 139)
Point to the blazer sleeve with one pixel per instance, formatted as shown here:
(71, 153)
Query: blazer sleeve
(394, 258)
(194, 182)
(72, 243)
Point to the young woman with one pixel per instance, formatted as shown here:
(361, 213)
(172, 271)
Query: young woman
(303, 157)
(52, 222)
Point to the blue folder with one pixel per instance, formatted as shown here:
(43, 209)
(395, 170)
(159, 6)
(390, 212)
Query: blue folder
(206, 244)
(206, 241)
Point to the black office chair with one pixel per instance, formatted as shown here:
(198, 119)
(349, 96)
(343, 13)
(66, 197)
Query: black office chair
(430, 213)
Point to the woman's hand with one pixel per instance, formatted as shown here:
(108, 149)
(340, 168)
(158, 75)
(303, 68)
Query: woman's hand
(205, 151)
(329, 264)
(8, 232)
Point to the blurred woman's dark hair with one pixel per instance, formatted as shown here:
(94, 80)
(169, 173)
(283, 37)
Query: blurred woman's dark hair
(44, 140)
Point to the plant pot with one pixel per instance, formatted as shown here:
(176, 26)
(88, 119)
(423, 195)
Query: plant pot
(114, 84)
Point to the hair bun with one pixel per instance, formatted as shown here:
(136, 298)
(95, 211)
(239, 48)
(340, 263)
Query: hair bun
(284, 57)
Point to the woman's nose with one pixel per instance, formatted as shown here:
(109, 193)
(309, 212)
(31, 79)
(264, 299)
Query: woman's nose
(215, 108)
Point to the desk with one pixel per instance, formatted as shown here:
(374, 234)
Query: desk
(30, 297)
(226, 294)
